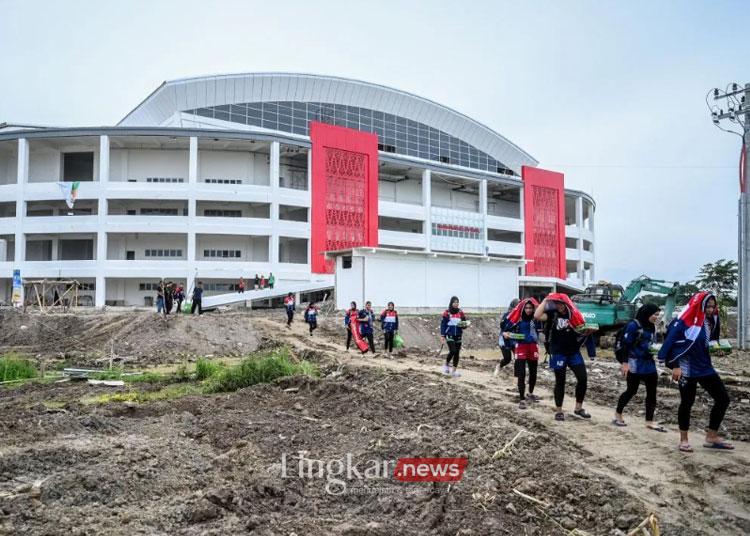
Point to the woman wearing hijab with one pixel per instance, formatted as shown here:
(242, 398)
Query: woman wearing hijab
(565, 342)
(521, 320)
(451, 331)
(686, 351)
(638, 365)
(506, 344)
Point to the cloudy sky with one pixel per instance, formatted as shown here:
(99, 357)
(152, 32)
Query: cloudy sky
(610, 93)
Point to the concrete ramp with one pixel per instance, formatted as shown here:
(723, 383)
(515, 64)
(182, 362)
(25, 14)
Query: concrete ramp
(211, 302)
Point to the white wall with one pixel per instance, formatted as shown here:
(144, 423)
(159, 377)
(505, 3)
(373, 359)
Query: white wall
(45, 164)
(401, 192)
(253, 248)
(138, 164)
(119, 244)
(8, 168)
(421, 281)
(444, 197)
(252, 168)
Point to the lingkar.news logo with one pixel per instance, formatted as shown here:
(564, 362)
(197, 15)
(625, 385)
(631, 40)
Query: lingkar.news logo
(340, 473)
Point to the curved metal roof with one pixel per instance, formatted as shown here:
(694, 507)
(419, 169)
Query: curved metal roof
(190, 93)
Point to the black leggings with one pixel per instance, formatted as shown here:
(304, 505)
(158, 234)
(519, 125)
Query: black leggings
(581, 379)
(348, 337)
(370, 341)
(388, 336)
(454, 349)
(520, 371)
(289, 316)
(507, 355)
(313, 326)
(633, 381)
(714, 387)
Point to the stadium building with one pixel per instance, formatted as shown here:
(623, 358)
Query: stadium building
(316, 179)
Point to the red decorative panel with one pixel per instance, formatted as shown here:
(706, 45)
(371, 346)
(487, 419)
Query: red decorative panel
(344, 191)
(544, 222)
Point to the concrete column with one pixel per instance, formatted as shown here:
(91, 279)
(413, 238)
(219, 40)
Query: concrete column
(483, 212)
(23, 179)
(192, 209)
(275, 165)
(522, 215)
(427, 206)
(579, 241)
(275, 177)
(101, 235)
(101, 291)
(592, 275)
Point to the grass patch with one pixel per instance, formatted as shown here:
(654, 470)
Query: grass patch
(170, 392)
(261, 368)
(205, 368)
(14, 367)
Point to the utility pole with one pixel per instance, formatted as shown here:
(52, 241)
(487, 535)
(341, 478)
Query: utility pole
(737, 118)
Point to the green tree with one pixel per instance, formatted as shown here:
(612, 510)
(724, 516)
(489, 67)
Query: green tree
(685, 292)
(720, 277)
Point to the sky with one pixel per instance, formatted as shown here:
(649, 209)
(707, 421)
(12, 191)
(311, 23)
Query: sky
(610, 93)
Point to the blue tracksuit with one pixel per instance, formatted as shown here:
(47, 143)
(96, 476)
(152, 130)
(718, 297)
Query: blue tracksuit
(530, 330)
(506, 325)
(389, 319)
(449, 325)
(366, 321)
(638, 341)
(693, 355)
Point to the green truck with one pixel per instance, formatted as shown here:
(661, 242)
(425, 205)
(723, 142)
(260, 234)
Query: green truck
(612, 306)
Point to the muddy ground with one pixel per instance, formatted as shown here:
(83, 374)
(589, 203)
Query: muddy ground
(211, 464)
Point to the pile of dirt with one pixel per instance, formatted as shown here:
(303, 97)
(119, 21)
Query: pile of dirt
(138, 337)
(213, 465)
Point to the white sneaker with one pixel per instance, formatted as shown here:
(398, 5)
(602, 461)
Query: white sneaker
(455, 373)
(446, 369)
(497, 370)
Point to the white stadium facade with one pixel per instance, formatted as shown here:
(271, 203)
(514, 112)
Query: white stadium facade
(213, 178)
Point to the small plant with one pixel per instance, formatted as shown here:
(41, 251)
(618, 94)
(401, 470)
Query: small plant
(14, 367)
(182, 374)
(259, 369)
(111, 374)
(205, 369)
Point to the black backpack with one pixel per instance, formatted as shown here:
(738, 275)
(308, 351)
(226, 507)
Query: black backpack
(621, 351)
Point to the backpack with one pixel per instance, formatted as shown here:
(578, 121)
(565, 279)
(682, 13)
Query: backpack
(621, 350)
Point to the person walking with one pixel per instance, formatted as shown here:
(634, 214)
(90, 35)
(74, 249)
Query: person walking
(311, 316)
(256, 282)
(389, 323)
(263, 281)
(565, 342)
(351, 314)
(197, 299)
(366, 325)
(241, 285)
(686, 351)
(521, 321)
(160, 297)
(271, 280)
(168, 297)
(507, 345)
(452, 326)
(637, 363)
(179, 296)
(289, 305)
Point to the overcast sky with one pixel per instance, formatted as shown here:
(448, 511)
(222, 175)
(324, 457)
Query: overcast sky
(610, 93)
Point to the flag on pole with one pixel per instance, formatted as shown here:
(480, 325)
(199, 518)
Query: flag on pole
(69, 191)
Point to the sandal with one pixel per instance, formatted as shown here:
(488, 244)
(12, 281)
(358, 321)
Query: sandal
(657, 428)
(718, 445)
(522, 404)
(618, 422)
(582, 414)
(685, 447)
(559, 416)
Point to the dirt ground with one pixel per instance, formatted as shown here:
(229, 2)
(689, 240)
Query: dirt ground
(212, 464)
(137, 337)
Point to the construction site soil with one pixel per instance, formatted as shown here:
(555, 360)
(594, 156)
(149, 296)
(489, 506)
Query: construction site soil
(228, 463)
